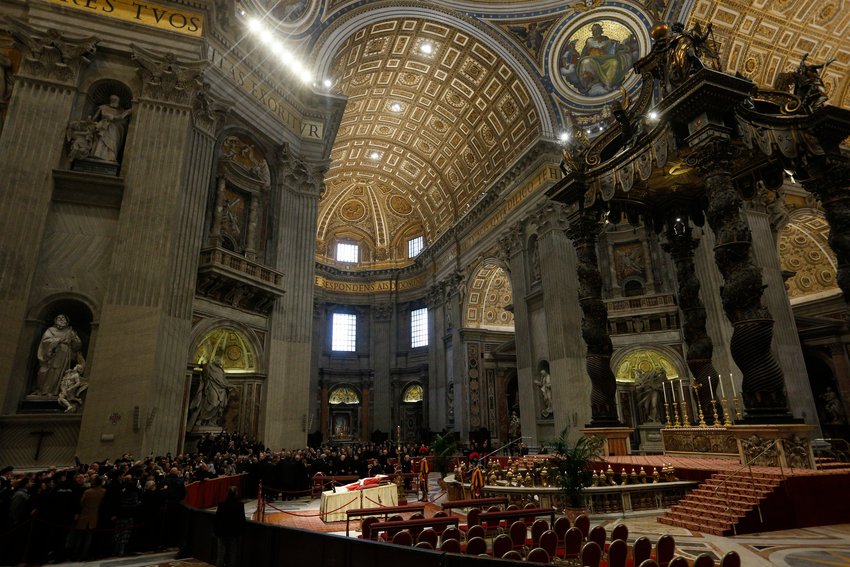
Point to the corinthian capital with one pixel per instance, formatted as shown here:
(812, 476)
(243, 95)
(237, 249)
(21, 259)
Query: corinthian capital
(300, 175)
(50, 54)
(550, 216)
(164, 78)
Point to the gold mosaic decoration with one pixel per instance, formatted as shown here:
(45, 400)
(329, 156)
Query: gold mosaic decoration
(344, 395)
(489, 294)
(644, 360)
(230, 346)
(413, 394)
(804, 249)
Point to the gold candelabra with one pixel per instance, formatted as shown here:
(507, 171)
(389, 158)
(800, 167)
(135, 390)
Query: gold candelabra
(696, 388)
(714, 411)
(678, 422)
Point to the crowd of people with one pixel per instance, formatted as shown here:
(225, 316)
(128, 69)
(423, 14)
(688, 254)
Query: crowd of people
(134, 504)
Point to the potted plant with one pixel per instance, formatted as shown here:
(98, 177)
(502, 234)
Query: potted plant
(573, 463)
(443, 448)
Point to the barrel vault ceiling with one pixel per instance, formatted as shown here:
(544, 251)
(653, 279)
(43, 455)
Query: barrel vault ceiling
(425, 133)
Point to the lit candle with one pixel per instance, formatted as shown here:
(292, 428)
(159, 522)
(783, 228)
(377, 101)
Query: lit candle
(710, 388)
(734, 394)
(672, 393)
(664, 391)
(682, 389)
(722, 391)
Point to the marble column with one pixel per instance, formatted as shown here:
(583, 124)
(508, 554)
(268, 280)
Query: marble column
(32, 139)
(382, 348)
(365, 422)
(584, 229)
(570, 396)
(454, 287)
(786, 339)
(438, 402)
(299, 187)
(763, 386)
(143, 341)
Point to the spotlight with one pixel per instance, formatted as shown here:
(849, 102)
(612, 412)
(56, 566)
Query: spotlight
(254, 24)
(327, 83)
(589, 131)
(375, 155)
(395, 107)
(564, 136)
(426, 48)
(653, 115)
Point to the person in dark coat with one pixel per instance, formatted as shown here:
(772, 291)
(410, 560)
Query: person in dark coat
(228, 527)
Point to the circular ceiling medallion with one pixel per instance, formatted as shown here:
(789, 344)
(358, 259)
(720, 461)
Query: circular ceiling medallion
(408, 79)
(438, 125)
(234, 353)
(353, 210)
(400, 205)
(594, 55)
(454, 99)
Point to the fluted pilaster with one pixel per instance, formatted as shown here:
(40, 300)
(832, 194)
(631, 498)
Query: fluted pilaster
(32, 139)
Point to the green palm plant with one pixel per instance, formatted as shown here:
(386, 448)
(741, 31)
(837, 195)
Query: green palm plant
(443, 448)
(573, 462)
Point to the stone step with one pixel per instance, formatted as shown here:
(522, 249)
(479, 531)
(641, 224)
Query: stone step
(709, 495)
(706, 520)
(742, 484)
(694, 527)
(713, 507)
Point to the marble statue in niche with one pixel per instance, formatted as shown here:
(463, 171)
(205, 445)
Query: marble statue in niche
(648, 386)
(58, 351)
(71, 386)
(545, 384)
(101, 136)
(210, 399)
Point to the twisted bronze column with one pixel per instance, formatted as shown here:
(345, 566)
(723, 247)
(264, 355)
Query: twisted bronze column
(763, 389)
(584, 231)
(681, 245)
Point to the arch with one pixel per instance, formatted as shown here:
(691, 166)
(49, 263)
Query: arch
(488, 295)
(344, 394)
(412, 393)
(251, 344)
(627, 361)
(803, 246)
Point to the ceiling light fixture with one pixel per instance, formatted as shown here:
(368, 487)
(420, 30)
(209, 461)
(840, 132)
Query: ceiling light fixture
(327, 83)
(564, 136)
(426, 48)
(375, 155)
(653, 115)
(395, 107)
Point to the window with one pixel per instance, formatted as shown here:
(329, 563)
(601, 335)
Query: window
(344, 336)
(414, 246)
(419, 328)
(347, 252)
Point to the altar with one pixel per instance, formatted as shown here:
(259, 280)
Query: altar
(334, 504)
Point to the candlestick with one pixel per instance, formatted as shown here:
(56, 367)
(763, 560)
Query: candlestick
(695, 387)
(710, 388)
(677, 423)
(682, 402)
(728, 413)
(664, 391)
(682, 389)
(667, 414)
(738, 409)
(732, 380)
(722, 391)
(714, 411)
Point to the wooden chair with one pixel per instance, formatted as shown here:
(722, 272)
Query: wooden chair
(429, 535)
(530, 519)
(537, 555)
(502, 544)
(561, 526)
(494, 509)
(598, 536)
(591, 554)
(642, 550)
(475, 531)
(424, 545)
(417, 516)
(512, 507)
(472, 517)
(512, 556)
(476, 546)
(403, 538)
(620, 531)
(583, 523)
(537, 529)
(451, 532)
(366, 524)
(618, 552)
(572, 544)
(679, 561)
(731, 559)
(704, 560)
(518, 533)
(395, 518)
(648, 563)
(441, 514)
(664, 550)
(549, 542)
(450, 546)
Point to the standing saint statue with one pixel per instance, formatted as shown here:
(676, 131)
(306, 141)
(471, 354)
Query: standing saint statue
(109, 130)
(58, 351)
(545, 385)
(210, 399)
(649, 385)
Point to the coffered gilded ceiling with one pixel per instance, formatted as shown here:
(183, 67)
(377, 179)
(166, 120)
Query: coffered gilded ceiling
(423, 134)
(804, 250)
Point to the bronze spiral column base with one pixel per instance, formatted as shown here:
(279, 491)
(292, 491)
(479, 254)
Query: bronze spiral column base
(701, 370)
(603, 392)
(763, 389)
